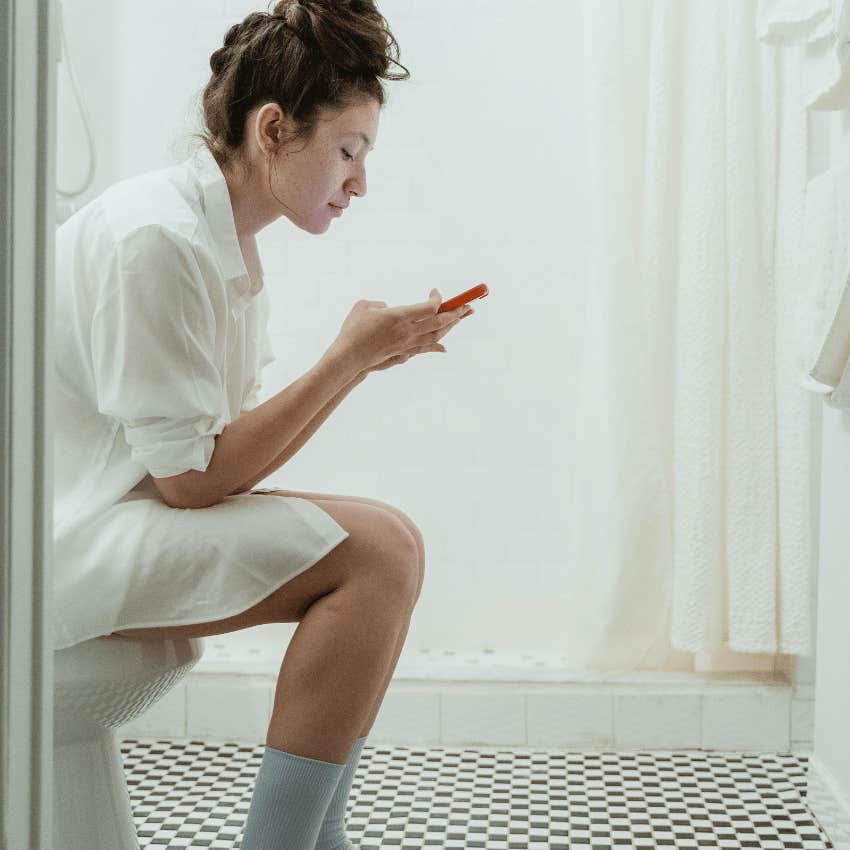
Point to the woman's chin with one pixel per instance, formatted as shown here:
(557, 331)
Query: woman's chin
(315, 225)
(320, 228)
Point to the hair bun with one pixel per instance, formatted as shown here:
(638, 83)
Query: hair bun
(288, 8)
(296, 17)
(303, 55)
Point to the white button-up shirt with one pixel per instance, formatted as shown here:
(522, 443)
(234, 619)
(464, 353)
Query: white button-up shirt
(162, 334)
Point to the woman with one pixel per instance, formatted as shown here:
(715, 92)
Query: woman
(162, 336)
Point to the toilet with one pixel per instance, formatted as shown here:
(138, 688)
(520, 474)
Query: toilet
(100, 684)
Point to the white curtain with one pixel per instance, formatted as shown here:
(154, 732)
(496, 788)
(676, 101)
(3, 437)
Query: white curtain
(692, 487)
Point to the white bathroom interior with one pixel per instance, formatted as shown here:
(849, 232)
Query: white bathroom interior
(630, 488)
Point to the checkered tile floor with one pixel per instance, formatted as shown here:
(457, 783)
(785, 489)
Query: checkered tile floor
(186, 793)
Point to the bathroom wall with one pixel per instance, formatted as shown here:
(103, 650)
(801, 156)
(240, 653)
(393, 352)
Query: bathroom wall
(88, 23)
(829, 774)
(829, 777)
(476, 446)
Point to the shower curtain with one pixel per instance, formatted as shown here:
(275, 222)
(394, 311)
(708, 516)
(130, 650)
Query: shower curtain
(692, 493)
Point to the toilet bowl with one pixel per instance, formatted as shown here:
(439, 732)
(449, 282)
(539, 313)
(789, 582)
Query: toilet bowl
(99, 685)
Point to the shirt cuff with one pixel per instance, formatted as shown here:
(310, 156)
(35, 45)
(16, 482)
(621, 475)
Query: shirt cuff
(167, 448)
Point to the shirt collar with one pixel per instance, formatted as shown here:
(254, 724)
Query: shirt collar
(215, 201)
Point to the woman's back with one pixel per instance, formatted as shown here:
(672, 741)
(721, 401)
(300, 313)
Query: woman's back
(161, 338)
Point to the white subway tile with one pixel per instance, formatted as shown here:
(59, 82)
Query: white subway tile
(380, 227)
(802, 719)
(644, 721)
(233, 708)
(570, 720)
(408, 718)
(759, 722)
(478, 717)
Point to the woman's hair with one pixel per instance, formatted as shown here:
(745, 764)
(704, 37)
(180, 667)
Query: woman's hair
(305, 55)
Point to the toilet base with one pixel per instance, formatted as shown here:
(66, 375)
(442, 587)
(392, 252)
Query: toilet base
(91, 802)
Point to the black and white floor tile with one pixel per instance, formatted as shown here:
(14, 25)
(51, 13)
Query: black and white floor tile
(187, 793)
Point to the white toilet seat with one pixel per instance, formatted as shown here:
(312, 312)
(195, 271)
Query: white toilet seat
(99, 685)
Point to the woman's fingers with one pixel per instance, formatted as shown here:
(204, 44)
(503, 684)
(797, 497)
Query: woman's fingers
(447, 328)
(439, 332)
(425, 342)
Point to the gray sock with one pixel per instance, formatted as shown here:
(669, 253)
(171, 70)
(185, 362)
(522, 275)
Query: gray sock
(332, 834)
(291, 796)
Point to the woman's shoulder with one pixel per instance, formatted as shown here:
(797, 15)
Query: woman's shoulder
(157, 204)
(143, 220)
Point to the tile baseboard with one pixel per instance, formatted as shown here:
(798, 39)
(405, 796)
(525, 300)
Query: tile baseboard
(640, 711)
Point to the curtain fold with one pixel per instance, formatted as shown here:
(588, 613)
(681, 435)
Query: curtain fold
(692, 485)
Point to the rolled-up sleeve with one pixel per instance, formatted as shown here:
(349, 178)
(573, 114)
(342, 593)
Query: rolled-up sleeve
(153, 353)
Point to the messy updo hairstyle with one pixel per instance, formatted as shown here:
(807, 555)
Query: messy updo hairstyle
(305, 55)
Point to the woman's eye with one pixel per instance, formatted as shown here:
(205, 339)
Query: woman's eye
(347, 154)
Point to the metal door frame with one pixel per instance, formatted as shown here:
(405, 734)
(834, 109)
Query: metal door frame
(28, 54)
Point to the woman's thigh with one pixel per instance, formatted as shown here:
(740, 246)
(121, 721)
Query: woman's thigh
(409, 524)
(379, 548)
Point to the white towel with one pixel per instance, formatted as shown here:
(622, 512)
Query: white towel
(823, 27)
(794, 21)
(826, 313)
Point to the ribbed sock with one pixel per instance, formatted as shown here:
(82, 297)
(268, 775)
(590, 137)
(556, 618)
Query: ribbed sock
(290, 798)
(332, 834)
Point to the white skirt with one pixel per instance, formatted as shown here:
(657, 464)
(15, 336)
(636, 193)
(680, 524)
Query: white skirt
(143, 564)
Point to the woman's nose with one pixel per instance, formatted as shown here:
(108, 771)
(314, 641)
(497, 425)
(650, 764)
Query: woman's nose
(357, 186)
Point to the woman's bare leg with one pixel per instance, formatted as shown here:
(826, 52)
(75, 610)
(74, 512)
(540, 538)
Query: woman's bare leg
(353, 609)
(408, 523)
(334, 665)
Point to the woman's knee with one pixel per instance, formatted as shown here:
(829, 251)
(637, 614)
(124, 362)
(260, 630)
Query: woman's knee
(409, 525)
(393, 553)
(379, 550)
(405, 519)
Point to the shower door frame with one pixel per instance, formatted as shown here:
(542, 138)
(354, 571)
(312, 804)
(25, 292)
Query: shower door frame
(28, 58)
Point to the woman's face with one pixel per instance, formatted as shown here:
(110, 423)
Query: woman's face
(302, 181)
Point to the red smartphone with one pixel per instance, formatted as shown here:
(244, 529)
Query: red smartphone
(464, 298)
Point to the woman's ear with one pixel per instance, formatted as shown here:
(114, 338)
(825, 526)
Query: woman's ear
(267, 128)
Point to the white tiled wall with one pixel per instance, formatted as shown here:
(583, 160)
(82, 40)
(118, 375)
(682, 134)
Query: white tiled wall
(477, 715)
(802, 724)
(218, 704)
(638, 712)
(569, 720)
(664, 721)
(753, 721)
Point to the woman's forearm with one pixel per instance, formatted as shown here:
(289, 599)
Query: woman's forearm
(309, 429)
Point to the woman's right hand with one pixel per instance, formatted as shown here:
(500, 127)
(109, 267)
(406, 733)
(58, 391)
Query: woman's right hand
(374, 336)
